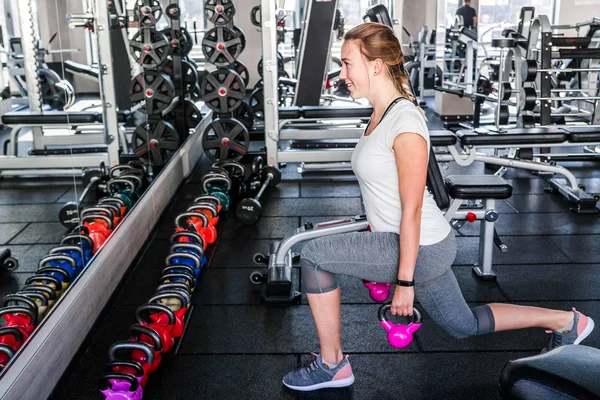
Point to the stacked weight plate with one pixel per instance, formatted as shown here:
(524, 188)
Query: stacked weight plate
(157, 90)
(224, 89)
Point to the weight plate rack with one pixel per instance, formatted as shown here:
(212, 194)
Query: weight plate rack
(166, 84)
(224, 89)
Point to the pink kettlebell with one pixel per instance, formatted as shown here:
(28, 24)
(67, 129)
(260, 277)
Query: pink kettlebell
(399, 335)
(379, 292)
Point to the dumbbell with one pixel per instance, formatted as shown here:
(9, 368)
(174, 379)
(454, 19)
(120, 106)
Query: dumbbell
(249, 209)
(9, 263)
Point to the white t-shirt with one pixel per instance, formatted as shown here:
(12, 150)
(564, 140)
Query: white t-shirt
(374, 163)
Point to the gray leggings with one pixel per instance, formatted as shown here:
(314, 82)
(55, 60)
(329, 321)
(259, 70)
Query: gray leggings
(374, 256)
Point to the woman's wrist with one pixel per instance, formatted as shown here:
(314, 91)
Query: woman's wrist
(405, 283)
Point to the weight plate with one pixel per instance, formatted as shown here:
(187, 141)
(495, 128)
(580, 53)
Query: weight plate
(280, 65)
(506, 90)
(191, 114)
(54, 96)
(504, 115)
(189, 72)
(526, 121)
(221, 46)
(222, 90)
(155, 89)
(150, 48)
(240, 33)
(173, 11)
(195, 93)
(242, 71)
(257, 103)
(155, 142)
(276, 175)
(528, 70)
(245, 115)
(527, 99)
(148, 12)
(225, 139)
(219, 12)
(181, 42)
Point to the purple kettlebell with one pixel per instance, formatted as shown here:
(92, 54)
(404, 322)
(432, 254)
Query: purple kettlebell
(399, 335)
(110, 392)
(379, 292)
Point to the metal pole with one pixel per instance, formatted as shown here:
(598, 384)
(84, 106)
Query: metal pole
(269, 50)
(30, 63)
(107, 80)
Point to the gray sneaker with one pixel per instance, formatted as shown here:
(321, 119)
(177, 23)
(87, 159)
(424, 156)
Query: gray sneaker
(573, 336)
(318, 374)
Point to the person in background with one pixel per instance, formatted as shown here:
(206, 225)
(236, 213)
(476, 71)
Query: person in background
(469, 14)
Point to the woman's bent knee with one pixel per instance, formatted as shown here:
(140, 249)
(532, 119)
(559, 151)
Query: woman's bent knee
(480, 322)
(316, 280)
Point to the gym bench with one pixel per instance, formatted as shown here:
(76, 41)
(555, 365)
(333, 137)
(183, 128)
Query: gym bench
(466, 143)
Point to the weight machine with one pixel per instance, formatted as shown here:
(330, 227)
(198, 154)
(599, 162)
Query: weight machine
(44, 160)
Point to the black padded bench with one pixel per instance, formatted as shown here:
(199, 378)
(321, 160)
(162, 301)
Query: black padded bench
(568, 372)
(476, 187)
(583, 134)
(318, 112)
(52, 117)
(58, 117)
(538, 136)
(442, 138)
(83, 69)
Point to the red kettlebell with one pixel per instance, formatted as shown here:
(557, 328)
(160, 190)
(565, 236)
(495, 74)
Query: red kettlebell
(114, 211)
(145, 315)
(200, 223)
(208, 209)
(188, 237)
(99, 227)
(100, 210)
(166, 298)
(379, 292)
(22, 318)
(12, 337)
(117, 202)
(116, 350)
(141, 333)
(211, 199)
(133, 365)
(399, 335)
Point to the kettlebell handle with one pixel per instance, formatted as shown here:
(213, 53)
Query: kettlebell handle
(417, 317)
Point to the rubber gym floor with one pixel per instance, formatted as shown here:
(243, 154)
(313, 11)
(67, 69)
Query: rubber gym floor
(237, 347)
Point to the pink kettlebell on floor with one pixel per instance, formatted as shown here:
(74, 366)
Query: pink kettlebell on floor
(399, 335)
(379, 292)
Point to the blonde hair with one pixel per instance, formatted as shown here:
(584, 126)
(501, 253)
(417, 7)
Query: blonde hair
(379, 41)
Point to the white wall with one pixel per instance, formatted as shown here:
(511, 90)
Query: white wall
(571, 11)
(415, 14)
(253, 51)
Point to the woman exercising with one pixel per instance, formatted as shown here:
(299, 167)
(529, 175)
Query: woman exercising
(390, 163)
